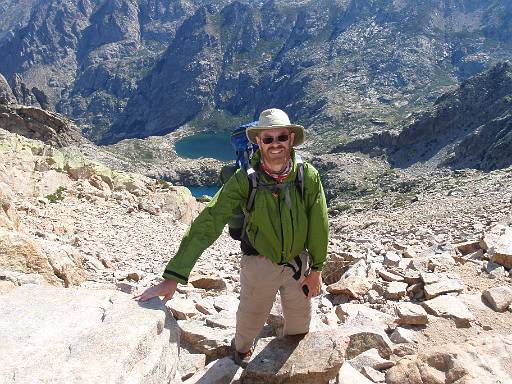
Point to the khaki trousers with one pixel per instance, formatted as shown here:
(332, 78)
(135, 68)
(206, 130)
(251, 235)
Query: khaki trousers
(260, 279)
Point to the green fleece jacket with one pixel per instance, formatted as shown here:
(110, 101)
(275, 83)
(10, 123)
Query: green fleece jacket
(275, 230)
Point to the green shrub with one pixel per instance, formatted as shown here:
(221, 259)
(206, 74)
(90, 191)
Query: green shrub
(163, 184)
(57, 195)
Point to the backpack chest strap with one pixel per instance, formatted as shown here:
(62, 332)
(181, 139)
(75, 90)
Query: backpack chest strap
(277, 188)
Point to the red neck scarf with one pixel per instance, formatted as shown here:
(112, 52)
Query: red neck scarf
(278, 176)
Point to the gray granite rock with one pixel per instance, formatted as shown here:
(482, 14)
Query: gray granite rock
(494, 269)
(395, 290)
(411, 314)
(403, 335)
(220, 371)
(498, 298)
(370, 358)
(482, 360)
(443, 286)
(389, 276)
(363, 335)
(224, 319)
(102, 337)
(289, 359)
(450, 307)
(373, 374)
(182, 309)
(190, 363)
(392, 259)
(350, 312)
(214, 343)
(349, 374)
(226, 303)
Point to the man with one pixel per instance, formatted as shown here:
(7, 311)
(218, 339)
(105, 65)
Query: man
(281, 226)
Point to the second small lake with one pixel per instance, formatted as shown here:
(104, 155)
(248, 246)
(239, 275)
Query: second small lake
(207, 190)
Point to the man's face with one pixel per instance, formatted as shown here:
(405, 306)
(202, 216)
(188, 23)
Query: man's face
(273, 148)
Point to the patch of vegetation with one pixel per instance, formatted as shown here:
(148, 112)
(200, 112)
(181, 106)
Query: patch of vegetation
(218, 120)
(160, 183)
(57, 195)
(404, 199)
(340, 208)
(142, 152)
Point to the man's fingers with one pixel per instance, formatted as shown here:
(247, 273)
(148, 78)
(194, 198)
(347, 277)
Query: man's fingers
(140, 297)
(144, 295)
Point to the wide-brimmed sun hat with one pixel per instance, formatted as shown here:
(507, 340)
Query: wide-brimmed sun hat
(275, 118)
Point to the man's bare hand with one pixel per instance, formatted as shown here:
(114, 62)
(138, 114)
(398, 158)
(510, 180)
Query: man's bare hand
(314, 283)
(166, 289)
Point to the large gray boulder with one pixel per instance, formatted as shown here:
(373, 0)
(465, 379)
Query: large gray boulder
(498, 243)
(314, 358)
(75, 335)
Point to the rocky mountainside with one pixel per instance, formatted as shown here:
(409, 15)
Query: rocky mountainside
(345, 66)
(470, 127)
(14, 15)
(411, 290)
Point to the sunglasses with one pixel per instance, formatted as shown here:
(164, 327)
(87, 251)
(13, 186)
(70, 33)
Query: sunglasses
(270, 139)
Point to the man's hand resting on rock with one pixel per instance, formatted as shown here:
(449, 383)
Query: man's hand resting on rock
(166, 289)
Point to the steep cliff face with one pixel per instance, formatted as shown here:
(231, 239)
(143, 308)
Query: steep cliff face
(468, 127)
(45, 50)
(132, 68)
(87, 56)
(14, 14)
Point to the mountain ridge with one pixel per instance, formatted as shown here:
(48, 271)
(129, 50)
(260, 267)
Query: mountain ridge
(340, 67)
(471, 127)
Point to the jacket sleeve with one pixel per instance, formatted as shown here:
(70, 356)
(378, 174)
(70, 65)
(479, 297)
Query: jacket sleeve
(318, 227)
(206, 228)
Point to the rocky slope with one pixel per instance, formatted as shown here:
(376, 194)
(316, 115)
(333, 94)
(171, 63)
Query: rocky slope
(35, 176)
(414, 288)
(352, 66)
(470, 127)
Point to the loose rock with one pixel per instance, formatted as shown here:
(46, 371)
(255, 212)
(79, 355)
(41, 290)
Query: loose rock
(211, 281)
(449, 307)
(499, 298)
(94, 326)
(410, 313)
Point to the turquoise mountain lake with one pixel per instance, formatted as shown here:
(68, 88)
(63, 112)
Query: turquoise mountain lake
(206, 144)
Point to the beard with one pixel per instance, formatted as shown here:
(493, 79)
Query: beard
(279, 158)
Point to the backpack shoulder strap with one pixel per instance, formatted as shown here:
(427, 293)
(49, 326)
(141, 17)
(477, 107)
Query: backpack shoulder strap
(299, 180)
(252, 176)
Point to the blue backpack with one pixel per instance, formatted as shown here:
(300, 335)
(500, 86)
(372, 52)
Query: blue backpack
(243, 148)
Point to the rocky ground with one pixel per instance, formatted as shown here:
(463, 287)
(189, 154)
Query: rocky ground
(416, 290)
